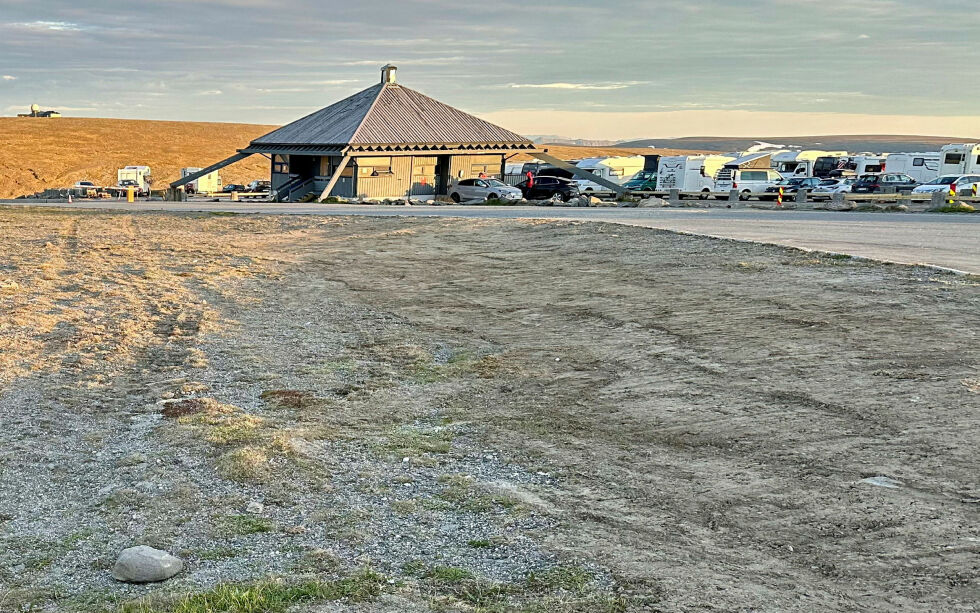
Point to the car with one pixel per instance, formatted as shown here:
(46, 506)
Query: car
(828, 187)
(959, 183)
(790, 187)
(234, 187)
(85, 184)
(134, 185)
(645, 180)
(549, 188)
(882, 181)
(259, 187)
(484, 189)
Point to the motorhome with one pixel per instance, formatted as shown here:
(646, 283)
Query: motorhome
(618, 170)
(857, 165)
(208, 184)
(802, 163)
(690, 173)
(750, 174)
(923, 166)
(959, 159)
(135, 176)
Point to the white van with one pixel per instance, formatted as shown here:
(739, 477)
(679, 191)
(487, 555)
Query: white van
(801, 163)
(748, 181)
(923, 167)
(959, 159)
(690, 173)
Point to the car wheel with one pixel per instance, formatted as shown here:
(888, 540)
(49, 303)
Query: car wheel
(705, 193)
(560, 197)
(493, 197)
(744, 196)
(454, 197)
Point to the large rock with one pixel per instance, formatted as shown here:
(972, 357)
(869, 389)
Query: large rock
(145, 565)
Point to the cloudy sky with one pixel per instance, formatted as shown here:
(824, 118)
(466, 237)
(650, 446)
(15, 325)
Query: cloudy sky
(624, 69)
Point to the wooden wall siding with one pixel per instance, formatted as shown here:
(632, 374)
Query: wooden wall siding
(424, 176)
(462, 166)
(394, 185)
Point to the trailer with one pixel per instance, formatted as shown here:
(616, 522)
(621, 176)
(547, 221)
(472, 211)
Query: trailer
(922, 166)
(137, 177)
(690, 173)
(959, 159)
(206, 184)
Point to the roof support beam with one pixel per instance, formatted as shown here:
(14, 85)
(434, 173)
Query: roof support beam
(200, 173)
(336, 177)
(581, 173)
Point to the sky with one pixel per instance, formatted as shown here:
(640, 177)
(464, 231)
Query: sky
(588, 69)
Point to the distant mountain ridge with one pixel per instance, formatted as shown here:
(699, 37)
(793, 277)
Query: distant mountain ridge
(853, 143)
(551, 139)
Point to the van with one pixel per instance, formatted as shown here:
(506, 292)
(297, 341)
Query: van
(802, 163)
(749, 181)
(617, 170)
(959, 159)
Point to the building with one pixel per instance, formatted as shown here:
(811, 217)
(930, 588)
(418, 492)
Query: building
(387, 141)
(37, 112)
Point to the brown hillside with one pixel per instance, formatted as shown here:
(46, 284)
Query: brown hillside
(37, 154)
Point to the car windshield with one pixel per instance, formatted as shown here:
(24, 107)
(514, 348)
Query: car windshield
(496, 182)
(947, 180)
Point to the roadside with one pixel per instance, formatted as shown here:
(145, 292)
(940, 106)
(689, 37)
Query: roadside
(945, 241)
(483, 414)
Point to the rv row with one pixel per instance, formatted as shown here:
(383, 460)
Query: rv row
(139, 179)
(762, 174)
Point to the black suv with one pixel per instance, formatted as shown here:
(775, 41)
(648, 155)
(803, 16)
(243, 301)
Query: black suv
(879, 182)
(548, 188)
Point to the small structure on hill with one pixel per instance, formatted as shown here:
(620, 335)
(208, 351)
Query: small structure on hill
(387, 141)
(37, 112)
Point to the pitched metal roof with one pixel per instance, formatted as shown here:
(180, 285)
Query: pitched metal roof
(390, 114)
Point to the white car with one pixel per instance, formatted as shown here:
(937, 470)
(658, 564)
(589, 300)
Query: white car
(829, 187)
(749, 182)
(963, 183)
(484, 189)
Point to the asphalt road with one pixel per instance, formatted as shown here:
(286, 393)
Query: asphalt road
(948, 241)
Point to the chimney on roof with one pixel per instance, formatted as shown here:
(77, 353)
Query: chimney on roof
(388, 73)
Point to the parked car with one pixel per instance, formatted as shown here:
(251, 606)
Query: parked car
(790, 187)
(549, 188)
(960, 183)
(259, 187)
(85, 184)
(132, 183)
(234, 187)
(645, 180)
(484, 189)
(828, 187)
(880, 182)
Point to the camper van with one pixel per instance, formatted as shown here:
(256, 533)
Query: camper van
(750, 175)
(959, 159)
(690, 173)
(857, 165)
(135, 176)
(208, 184)
(923, 167)
(802, 163)
(618, 170)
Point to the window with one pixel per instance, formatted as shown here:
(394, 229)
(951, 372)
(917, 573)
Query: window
(953, 158)
(918, 161)
(374, 167)
(280, 164)
(754, 175)
(467, 182)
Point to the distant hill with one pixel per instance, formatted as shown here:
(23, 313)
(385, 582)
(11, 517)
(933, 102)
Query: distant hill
(36, 154)
(571, 152)
(575, 142)
(853, 143)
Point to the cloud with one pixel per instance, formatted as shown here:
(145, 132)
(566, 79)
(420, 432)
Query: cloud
(864, 36)
(8, 77)
(582, 86)
(54, 26)
(210, 92)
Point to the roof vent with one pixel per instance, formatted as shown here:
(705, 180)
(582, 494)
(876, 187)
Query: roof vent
(388, 73)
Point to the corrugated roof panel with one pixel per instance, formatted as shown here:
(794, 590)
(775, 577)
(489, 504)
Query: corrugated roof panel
(390, 114)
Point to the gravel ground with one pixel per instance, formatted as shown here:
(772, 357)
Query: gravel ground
(561, 415)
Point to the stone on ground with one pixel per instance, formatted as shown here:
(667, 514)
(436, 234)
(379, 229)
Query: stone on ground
(144, 564)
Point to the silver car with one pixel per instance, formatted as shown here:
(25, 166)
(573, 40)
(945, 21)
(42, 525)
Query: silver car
(483, 189)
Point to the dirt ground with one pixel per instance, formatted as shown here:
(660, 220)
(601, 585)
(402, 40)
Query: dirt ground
(495, 415)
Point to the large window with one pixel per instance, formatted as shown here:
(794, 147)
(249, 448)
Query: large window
(280, 164)
(953, 158)
(374, 167)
